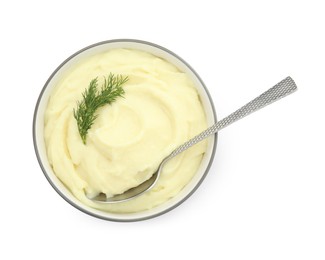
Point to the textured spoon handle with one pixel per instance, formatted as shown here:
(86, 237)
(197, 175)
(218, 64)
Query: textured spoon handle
(280, 90)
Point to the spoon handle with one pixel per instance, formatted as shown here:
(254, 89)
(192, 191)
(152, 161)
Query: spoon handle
(280, 90)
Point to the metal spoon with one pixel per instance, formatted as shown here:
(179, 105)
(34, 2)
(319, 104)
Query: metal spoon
(280, 90)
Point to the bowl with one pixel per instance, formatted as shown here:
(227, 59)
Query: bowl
(38, 128)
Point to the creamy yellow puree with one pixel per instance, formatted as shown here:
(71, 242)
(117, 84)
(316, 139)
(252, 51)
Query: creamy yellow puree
(129, 139)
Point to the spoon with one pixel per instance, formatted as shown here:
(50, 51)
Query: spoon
(282, 89)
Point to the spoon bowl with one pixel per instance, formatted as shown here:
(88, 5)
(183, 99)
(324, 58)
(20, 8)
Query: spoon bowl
(133, 192)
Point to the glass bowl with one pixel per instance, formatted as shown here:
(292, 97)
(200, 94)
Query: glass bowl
(38, 128)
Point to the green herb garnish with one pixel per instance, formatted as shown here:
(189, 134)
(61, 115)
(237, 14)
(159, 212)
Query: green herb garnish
(94, 99)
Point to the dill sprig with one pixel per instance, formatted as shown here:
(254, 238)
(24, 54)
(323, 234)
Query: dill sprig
(94, 99)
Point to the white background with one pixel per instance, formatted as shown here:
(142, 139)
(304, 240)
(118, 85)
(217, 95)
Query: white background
(264, 197)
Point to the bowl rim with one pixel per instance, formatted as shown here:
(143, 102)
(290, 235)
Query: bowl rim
(54, 186)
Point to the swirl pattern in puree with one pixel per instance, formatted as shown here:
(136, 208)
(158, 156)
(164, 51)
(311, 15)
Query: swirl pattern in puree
(129, 138)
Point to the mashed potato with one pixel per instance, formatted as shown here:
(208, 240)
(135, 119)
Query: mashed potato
(160, 110)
